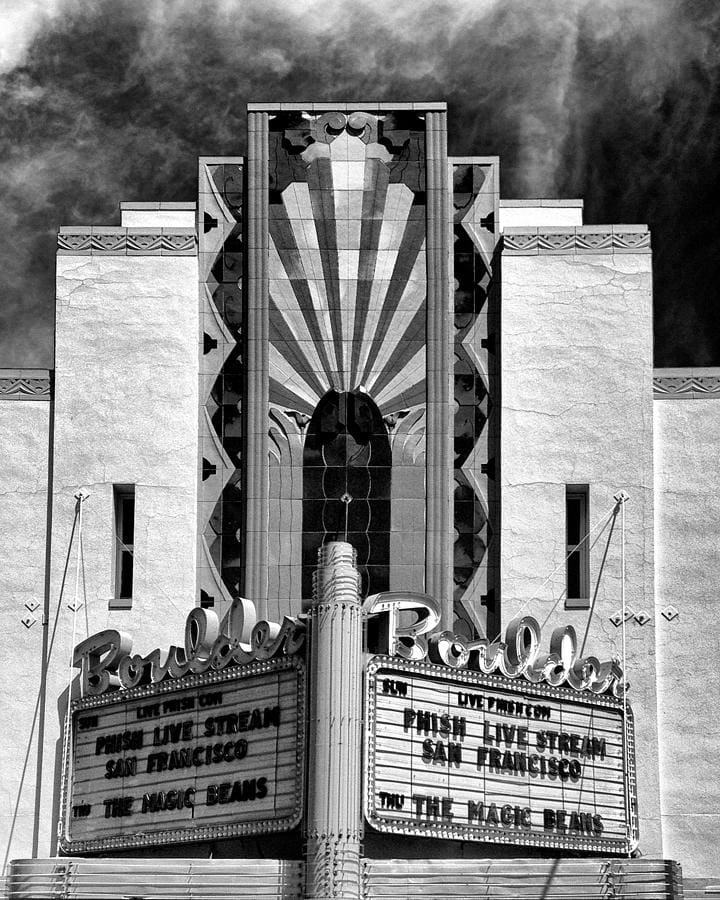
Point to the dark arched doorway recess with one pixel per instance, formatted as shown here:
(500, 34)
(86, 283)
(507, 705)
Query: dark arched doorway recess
(347, 465)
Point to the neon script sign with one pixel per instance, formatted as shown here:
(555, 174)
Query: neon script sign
(409, 620)
(518, 655)
(107, 662)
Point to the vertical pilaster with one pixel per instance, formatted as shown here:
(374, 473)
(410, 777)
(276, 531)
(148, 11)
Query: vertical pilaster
(474, 279)
(257, 346)
(334, 819)
(439, 445)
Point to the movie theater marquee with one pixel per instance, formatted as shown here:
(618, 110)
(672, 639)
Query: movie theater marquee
(199, 757)
(464, 755)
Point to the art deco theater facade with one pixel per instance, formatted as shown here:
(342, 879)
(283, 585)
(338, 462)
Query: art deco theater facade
(348, 512)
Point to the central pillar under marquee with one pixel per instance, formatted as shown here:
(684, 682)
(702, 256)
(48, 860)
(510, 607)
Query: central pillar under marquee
(333, 825)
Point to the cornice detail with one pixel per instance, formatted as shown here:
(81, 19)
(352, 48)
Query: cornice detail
(31, 384)
(687, 384)
(573, 241)
(127, 241)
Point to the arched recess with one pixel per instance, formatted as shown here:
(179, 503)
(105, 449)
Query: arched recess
(347, 470)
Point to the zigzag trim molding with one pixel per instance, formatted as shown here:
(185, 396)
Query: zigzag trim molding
(25, 384)
(686, 384)
(107, 241)
(523, 241)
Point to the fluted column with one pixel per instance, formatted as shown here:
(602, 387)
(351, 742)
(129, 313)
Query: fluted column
(440, 329)
(257, 346)
(333, 827)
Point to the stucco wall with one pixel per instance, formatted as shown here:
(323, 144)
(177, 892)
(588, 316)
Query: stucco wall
(534, 213)
(126, 413)
(24, 435)
(577, 409)
(687, 560)
(157, 215)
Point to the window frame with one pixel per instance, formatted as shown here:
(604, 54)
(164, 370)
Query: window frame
(577, 593)
(124, 521)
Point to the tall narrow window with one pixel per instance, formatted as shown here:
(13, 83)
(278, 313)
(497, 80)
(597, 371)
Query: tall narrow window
(124, 496)
(577, 512)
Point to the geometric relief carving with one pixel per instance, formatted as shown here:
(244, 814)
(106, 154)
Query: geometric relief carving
(347, 273)
(220, 519)
(347, 296)
(128, 241)
(407, 436)
(707, 385)
(286, 437)
(618, 618)
(32, 385)
(475, 203)
(689, 386)
(576, 240)
(677, 386)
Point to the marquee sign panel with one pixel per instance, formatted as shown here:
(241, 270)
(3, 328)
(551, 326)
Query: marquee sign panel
(461, 755)
(208, 756)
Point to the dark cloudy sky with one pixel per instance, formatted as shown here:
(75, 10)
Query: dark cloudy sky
(616, 101)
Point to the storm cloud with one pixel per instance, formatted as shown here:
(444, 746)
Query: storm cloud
(615, 101)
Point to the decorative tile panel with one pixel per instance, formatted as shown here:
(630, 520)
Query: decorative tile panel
(578, 240)
(25, 384)
(127, 242)
(686, 384)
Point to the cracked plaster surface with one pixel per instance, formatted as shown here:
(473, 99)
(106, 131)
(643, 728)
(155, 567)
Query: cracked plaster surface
(23, 517)
(687, 561)
(126, 407)
(577, 409)
(126, 413)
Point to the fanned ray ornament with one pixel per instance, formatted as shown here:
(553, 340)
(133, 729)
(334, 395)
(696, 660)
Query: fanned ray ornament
(347, 282)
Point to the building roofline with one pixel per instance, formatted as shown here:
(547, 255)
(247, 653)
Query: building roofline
(510, 204)
(348, 106)
(157, 205)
